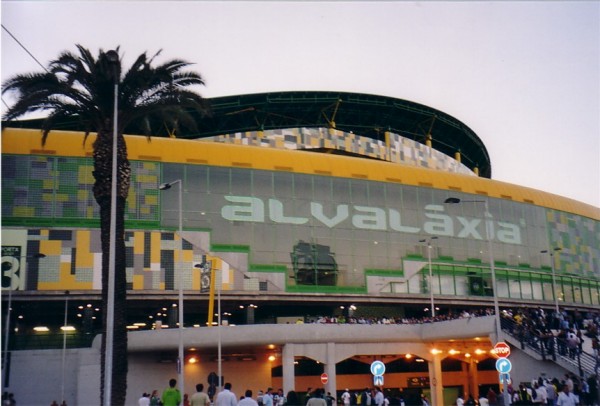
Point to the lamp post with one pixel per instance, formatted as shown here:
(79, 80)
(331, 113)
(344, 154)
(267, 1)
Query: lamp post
(219, 353)
(8, 312)
(488, 233)
(489, 236)
(554, 292)
(64, 349)
(429, 247)
(180, 358)
(113, 60)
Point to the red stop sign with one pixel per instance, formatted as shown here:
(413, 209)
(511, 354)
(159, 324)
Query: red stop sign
(324, 378)
(502, 350)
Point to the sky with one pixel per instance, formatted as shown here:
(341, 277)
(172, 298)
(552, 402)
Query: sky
(523, 75)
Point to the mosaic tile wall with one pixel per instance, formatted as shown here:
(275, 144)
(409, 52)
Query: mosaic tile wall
(61, 188)
(401, 150)
(579, 238)
(74, 260)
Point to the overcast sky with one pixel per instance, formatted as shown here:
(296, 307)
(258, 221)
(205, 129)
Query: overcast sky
(525, 76)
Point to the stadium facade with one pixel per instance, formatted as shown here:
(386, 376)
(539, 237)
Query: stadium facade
(296, 205)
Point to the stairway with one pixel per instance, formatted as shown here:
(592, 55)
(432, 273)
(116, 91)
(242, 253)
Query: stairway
(549, 348)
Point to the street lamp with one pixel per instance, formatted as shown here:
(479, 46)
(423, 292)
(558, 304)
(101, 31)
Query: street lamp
(64, 349)
(180, 359)
(429, 247)
(554, 292)
(8, 311)
(113, 60)
(488, 233)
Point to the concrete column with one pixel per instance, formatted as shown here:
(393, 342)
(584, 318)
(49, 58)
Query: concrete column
(287, 366)
(330, 370)
(473, 380)
(436, 384)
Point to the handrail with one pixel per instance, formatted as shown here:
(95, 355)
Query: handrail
(550, 346)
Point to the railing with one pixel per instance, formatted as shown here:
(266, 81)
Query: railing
(549, 346)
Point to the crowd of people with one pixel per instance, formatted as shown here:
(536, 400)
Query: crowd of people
(569, 391)
(452, 315)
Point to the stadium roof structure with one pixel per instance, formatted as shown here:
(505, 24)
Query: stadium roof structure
(363, 114)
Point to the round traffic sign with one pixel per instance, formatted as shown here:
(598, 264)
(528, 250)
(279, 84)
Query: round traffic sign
(324, 378)
(501, 349)
(377, 368)
(503, 365)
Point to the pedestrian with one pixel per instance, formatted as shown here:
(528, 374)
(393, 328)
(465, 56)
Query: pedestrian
(199, 398)
(491, 396)
(226, 397)
(378, 398)
(346, 397)
(292, 399)
(154, 398)
(171, 396)
(144, 400)
(317, 398)
(566, 397)
(248, 400)
(268, 397)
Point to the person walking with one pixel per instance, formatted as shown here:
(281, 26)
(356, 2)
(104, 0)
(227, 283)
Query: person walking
(171, 396)
(226, 397)
(199, 398)
(154, 398)
(268, 397)
(566, 397)
(248, 400)
(317, 398)
(144, 400)
(346, 397)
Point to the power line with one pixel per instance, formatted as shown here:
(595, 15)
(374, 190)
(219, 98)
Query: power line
(24, 48)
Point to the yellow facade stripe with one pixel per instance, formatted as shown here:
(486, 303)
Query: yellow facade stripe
(66, 281)
(138, 246)
(138, 282)
(65, 143)
(155, 253)
(51, 247)
(85, 258)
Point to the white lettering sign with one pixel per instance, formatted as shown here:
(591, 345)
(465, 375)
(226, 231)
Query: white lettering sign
(253, 209)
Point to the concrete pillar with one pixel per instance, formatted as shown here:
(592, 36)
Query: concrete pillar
(249, 315)
(435, 380)
(287, 366)
(330, 370)
(473, 380)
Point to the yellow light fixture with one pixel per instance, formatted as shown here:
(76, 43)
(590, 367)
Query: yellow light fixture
(193, 360)
(41, 329)
(67, 328)
(271, 358)
(435, 351)
(453, 352)
(408, 356)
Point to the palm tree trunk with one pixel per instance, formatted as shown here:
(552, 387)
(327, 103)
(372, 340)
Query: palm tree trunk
(102, 193)
(119, 362)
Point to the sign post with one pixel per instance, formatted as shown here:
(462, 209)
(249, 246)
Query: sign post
(324, 378)
(503, 366)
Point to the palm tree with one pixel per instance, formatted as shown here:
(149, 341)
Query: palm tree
(82, 87)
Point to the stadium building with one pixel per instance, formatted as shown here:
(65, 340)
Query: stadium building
(296, 206)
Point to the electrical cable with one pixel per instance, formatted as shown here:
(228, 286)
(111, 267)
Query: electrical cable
(24, 48)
